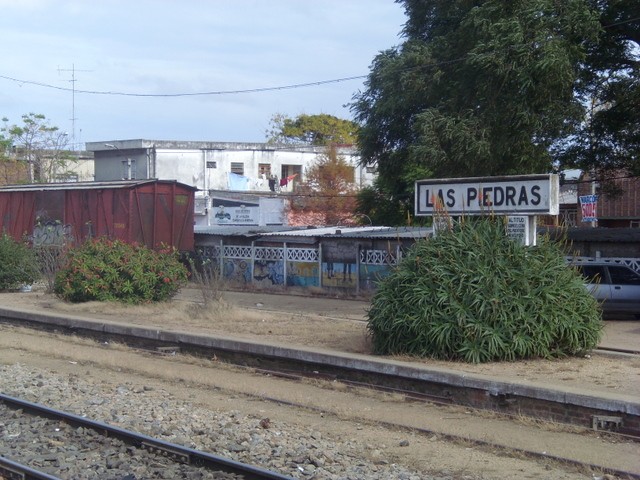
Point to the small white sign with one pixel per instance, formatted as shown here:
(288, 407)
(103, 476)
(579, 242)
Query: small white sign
(518, 229)
(236, 215)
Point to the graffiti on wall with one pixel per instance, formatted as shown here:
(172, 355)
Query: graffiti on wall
(268, 272)
(237, 271)
(51, 233)
(302, 274)
(336, 274)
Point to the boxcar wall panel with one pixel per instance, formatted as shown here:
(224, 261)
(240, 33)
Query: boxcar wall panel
(149, 212)
(82, 212)
(162, 214)
(17, 214)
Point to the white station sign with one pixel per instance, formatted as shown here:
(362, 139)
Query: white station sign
(514, 195)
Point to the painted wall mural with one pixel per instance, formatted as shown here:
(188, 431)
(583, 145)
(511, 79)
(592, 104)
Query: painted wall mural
(342, 275)
(237, 271)
(268, 272)
(302, 274)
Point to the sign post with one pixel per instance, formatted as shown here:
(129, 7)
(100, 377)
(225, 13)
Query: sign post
(522, 197)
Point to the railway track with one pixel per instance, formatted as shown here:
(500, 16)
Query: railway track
(43, 443)
(287, 364)
(504, 398)
(598, 465)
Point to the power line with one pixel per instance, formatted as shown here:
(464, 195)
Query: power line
(193, 94)
(253, 90)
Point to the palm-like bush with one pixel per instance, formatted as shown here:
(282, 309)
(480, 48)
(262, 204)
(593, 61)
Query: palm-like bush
(473, 294)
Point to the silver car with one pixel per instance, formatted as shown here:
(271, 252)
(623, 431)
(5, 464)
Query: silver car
(616, 286)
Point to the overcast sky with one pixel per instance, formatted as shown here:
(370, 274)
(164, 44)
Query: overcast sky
(165, 47)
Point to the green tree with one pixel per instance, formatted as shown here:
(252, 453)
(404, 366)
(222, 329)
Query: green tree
(40, 145)
(317, 130)
(9, 168)
(329, 188)
(379, 206)
(607, 139)
(476, 88)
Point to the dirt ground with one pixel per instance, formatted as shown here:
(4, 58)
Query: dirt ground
(334, 325)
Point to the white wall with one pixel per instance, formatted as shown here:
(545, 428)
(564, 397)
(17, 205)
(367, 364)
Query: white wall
(190, 166)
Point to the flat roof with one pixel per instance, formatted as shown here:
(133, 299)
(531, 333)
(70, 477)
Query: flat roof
(140, 143)
(34, 187)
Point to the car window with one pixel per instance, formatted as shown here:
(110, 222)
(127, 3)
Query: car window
(623, 276)
(593, 273)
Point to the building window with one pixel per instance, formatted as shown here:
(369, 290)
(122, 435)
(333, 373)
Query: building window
(370, 169)
(237, 167)
(264, 169)
(212, 164)
(288, 171)
(128, 169)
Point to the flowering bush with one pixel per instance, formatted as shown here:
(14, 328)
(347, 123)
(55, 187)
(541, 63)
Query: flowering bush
(106, 270)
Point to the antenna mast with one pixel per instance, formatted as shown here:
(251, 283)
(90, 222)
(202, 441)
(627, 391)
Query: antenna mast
(73, 101)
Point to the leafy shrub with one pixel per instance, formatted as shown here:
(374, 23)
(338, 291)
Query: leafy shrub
(473, 294)
(17, 264)
(106, 270)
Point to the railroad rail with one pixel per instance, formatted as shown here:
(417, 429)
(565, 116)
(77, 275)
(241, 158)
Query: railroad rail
(142, 448)
(608, 417)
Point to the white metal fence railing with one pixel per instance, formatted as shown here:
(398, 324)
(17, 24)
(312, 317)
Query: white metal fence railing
(309, 255)
(379, 257)
(236, 252)
(268, 253)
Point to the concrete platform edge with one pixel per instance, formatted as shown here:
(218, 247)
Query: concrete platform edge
(609, 402)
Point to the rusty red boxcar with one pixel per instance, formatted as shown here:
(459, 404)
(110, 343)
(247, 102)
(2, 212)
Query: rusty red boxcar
(149, 212)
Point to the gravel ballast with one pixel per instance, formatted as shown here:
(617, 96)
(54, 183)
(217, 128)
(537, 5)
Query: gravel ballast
(287, 449)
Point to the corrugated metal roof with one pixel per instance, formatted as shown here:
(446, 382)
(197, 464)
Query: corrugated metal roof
(275, 232)
(323, 231)
(356, 232)
(239, 230)
(395, 233)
